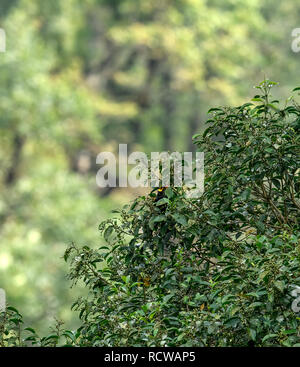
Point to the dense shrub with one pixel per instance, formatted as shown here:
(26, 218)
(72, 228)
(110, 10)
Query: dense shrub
(214, 271)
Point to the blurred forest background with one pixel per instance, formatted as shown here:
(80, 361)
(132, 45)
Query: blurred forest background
(80, 77)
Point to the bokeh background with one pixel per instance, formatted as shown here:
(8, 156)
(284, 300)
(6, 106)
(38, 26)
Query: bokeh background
(80, 77)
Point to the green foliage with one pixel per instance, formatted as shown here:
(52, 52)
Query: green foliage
(83, 76)
(10, 328)
(46, 113)
(216, 271)
(213, 271)
(158, 64)
(13, 334)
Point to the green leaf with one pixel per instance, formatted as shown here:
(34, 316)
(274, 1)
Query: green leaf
(52, 336)
(156, 219)
(232, 322)
(291, 331)
(16, 321)
(169, 193)
(252, 334)
(108, 231)
(269, 336)
(167, 297)
(70, 335)
(214, 110)
(162, 201)
(181, 219)
(10, 308)
(279, 285)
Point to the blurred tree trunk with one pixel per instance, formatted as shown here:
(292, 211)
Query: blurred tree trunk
(168, 106)
(194, 122)
(17, 146)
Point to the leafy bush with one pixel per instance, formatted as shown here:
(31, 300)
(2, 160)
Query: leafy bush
(213, 271)
(216, 271)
